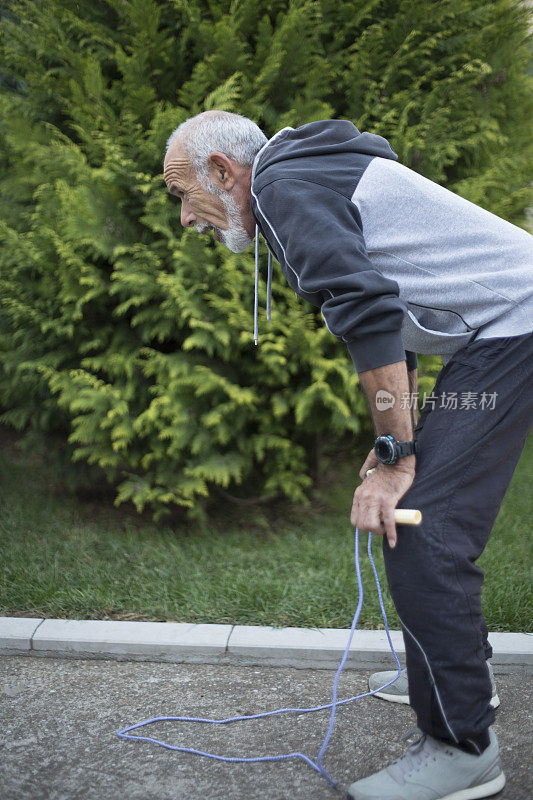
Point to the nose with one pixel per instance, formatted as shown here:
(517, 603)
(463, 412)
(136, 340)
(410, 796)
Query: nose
(187, 215)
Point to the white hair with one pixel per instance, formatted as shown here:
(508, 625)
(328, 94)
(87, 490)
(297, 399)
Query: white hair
(232, 134)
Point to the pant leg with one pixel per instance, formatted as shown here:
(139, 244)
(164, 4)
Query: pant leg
(466, 459)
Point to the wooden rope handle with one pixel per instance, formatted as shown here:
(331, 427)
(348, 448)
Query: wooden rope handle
(403, 516)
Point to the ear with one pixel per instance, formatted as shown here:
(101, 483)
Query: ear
(222, 170)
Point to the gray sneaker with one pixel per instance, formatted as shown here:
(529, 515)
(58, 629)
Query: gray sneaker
(433, 770)
(398, 692)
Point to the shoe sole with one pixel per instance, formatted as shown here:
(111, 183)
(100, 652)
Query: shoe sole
(473, 793)
(404, 698)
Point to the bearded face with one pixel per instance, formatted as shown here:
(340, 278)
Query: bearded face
(206, 204)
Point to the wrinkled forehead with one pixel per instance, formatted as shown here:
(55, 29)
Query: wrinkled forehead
(177, 167)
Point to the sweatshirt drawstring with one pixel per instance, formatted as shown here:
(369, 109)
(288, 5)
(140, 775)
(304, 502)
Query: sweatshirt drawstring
(256, 294)
(269, 286)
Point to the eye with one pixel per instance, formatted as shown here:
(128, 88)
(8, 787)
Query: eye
(176, 193)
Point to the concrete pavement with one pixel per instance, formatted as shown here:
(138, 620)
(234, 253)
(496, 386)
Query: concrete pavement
(60, 717)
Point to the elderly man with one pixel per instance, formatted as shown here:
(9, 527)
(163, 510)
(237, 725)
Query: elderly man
(398, 265)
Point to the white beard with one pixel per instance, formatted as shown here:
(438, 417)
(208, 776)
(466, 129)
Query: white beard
(236, 237)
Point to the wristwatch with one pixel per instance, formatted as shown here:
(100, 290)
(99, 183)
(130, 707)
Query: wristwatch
(388, 450)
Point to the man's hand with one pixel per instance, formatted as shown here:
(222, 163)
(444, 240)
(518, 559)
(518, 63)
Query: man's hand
(376, 498)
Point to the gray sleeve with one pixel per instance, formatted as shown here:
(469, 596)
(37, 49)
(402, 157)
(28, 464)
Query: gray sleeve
(317, 231)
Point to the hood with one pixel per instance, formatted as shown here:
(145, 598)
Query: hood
(319, 139)
(327, 137)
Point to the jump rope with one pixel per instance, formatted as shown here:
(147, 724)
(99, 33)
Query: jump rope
(401, 516)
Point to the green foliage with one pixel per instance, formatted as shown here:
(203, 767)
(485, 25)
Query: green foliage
(133, 337)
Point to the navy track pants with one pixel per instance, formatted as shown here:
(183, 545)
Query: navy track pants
(468, 450)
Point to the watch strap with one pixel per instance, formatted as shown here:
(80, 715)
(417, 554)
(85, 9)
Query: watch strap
(406, 448)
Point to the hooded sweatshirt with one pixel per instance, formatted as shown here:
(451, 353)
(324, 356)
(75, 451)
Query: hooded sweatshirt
(397, 264)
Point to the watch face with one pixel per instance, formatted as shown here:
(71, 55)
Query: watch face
(384, 449)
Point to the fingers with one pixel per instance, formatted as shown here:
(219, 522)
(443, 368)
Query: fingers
(375, 500)
(389, 525)
(354, 514)
(367, 515)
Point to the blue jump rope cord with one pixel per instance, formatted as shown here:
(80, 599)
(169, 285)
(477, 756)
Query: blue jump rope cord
(124, 733)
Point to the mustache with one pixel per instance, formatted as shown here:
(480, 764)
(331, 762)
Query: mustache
(202, 228)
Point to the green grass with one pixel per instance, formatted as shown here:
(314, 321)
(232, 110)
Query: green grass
(62, 556)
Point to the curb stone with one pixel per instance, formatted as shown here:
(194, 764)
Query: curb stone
(180, 642)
